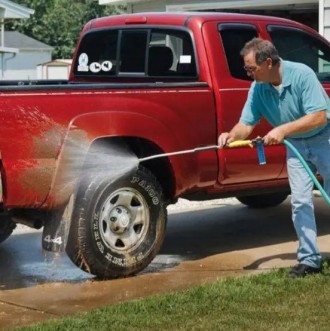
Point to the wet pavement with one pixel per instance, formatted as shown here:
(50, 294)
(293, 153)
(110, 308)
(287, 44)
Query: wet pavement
(221, 239)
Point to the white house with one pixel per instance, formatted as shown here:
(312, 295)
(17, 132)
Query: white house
(19, 54)
(315, 13)
(22, 64)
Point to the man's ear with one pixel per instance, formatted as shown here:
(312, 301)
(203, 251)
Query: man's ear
(269, 62)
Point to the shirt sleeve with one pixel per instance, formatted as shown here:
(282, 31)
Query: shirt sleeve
(313, 96)
(250, 113)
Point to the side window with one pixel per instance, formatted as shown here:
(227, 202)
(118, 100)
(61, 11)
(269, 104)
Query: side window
(147, 52)
(299, 46)
(234, 37)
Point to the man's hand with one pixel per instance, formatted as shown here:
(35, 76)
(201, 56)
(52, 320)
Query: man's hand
(224, 139)
(274, 137)
(239, 132)
(303, 124)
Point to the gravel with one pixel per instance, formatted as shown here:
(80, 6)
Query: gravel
(185, 205)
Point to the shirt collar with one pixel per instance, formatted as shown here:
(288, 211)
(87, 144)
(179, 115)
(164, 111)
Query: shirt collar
(286, 77)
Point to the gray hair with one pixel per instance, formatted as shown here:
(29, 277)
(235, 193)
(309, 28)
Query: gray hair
(262, 49)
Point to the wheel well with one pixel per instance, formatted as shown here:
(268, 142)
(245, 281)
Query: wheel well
(160, 167)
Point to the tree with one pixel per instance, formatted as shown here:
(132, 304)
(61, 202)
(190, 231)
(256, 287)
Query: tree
(58, 22)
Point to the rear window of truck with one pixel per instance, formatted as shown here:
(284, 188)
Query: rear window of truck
(145, 52)
(297, 45)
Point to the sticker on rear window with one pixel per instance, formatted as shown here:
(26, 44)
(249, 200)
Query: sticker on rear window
(83, 59)
(185, 59)
(106, 66)
(95, 67)
(83, 62)
(83, 68)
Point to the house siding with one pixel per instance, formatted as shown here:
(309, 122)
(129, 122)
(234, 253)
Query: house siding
(22, 65)
(155, 6)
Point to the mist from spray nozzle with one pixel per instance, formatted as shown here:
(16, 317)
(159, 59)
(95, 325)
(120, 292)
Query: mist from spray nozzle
(106, 161)
(111, 160)
(105, 158)
(81, 161)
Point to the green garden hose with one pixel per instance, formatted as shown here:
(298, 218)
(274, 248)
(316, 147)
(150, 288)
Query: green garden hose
(258, 142)
(309, 171)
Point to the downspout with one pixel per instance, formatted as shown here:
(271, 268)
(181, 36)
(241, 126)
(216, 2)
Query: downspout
(2, 22)
(4, 62)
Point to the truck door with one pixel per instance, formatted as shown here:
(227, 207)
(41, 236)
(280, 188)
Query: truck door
(231, 85)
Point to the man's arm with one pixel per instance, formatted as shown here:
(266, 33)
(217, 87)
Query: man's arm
(303, 124)
(239, 132)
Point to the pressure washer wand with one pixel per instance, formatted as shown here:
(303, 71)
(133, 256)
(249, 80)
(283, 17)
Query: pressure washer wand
(258, 142)
(187, 151)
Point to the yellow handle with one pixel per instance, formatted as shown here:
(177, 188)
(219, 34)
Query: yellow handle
(240, 143)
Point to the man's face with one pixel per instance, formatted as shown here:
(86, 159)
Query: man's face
(259, 72)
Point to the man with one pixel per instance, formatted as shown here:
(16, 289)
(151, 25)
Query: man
(293, 101)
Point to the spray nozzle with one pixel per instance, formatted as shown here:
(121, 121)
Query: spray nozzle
(259, 144)
(257, 141)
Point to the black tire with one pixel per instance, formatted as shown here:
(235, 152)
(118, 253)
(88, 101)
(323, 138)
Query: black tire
(263, 201)
(117, 227)
(7, 226)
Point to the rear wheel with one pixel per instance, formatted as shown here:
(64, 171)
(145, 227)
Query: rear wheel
(117, 227)
(263, 201)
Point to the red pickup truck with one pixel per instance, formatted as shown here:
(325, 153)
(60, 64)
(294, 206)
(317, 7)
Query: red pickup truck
(140, 85)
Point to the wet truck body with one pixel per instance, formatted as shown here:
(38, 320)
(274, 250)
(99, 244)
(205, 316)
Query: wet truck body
(140, 85)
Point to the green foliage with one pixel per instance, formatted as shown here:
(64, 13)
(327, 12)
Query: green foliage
(58, 22)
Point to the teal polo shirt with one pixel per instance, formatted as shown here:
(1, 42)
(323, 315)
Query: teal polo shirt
(301, 94)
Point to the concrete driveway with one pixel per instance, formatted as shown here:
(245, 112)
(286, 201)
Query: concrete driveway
(204, 242)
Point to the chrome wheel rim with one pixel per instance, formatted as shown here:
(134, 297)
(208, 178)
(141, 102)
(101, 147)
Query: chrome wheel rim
(124, 220)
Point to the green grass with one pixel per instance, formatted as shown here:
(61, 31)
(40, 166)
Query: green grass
(269, 301)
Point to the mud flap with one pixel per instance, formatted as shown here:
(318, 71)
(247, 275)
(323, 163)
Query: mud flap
(56, 229)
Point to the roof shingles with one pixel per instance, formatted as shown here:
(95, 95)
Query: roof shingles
(14, 39)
